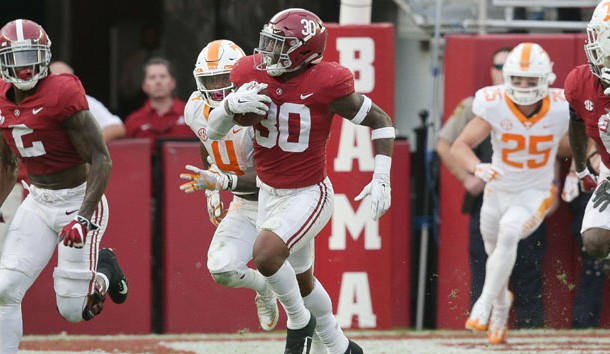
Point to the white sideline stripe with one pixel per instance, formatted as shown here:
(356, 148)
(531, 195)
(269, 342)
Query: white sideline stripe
(386, 342)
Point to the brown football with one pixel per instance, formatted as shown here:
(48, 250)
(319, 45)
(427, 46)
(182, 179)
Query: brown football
(249, 119)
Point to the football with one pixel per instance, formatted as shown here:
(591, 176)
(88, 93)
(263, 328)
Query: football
(249, 119)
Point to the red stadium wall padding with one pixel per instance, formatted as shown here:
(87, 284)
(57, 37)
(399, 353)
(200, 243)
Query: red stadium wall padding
(128, 232)
(357, 259)
(467, 62)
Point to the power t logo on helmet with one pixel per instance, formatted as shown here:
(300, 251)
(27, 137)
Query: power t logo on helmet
(528, 60)
(24, 53)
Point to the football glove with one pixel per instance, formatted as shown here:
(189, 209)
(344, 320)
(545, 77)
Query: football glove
(487, 172)
(571, 188)
(379, 188)
(247, 99)
(75, 233)
(216, 210)
(212, 178)
(588, 181)
(601, 199)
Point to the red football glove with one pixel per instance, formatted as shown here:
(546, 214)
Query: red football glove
(75, 233)
(588, 181)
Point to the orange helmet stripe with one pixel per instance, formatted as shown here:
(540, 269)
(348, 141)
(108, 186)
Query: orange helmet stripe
(524, 63)
(214, 54)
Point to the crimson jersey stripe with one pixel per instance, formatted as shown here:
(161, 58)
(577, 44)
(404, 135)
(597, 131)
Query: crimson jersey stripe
(296, 237)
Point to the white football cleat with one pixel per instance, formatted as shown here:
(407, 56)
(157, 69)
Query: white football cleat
(479, 317)
(498, 323)
(266, 308)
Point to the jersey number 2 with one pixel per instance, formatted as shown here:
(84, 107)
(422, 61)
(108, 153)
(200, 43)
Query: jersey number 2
(20, 130)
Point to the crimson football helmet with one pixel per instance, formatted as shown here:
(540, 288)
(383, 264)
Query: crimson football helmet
(213, 67)
(25, 53)
(597, 45)
(291, 39)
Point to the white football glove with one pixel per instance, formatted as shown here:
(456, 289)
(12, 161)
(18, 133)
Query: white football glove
(379, 188)
(216, 210)
(488, 172)
(212, 178)
(246, 99)
(571, 187)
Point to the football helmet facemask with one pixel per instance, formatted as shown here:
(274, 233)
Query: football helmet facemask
(291, 39)
(597, 45)
(25, 53)
(212, 69)
(528, 60)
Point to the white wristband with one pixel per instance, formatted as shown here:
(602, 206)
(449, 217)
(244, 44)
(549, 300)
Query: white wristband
(582, 174)
(364, 110)
(383, 133)
(383, 164)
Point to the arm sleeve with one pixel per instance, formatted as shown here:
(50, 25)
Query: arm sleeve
(219, 122)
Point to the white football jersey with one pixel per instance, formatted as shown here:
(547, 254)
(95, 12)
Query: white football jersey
(524, 148)
(235, 152)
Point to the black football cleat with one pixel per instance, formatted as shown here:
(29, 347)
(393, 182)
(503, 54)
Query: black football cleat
(298, 341)
(353, 348)
(95, 303)
(109, 266)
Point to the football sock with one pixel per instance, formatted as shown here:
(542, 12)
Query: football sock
(285, 286)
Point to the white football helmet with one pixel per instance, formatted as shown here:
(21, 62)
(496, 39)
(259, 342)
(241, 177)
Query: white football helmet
(215, 62)
(528, 60)
(25, 53)
(597, 45)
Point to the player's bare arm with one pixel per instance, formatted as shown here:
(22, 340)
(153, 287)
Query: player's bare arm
(8, 169)
(86, 136)
(473, 134)
(578, 141)
(349, 107)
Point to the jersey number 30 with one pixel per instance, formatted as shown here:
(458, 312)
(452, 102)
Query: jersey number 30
(291, 133)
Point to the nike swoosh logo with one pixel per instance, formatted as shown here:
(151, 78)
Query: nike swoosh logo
(71, 212)
(242, 101)
(37, 110)
(305, 96)
(235, 131)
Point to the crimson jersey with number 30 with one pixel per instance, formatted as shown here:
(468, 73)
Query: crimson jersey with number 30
(585, 94)
(525, 148)
(34, 129)
(290, 144)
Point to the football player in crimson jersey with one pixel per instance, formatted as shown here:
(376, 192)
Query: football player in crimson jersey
(296, 196)
(527, 121)
(45, 122)
(587, 89)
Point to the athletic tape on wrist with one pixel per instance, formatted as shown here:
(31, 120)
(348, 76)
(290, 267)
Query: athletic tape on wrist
(383, 133)
(582, 174)
(383, 164)
(364, 110)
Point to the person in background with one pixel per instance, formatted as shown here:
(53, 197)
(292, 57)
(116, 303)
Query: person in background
(162, 115)
(111, 125)
(527, 121)
(46, 123)
(526, 279)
